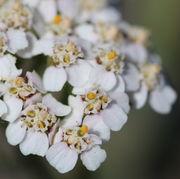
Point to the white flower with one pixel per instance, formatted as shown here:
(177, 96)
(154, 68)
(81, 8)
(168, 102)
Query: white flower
(48, 19)
(161, 97)
(94, 122)
(71, 142)
(83, 11)
(16, 29)
(30, 128)
(17, 91)
(108, 64)
(100, 32)
(16, 15)
(12, 41)
(111, 107)
(136, 34)
(68, 64)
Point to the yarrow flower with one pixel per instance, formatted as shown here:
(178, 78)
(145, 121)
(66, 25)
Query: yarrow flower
(71, 142)
(100, 66)
(33, 125)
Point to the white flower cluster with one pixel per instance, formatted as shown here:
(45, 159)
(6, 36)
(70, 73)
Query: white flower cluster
(105, 61)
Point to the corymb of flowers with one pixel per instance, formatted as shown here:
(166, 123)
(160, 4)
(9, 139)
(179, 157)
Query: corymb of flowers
(98, 62)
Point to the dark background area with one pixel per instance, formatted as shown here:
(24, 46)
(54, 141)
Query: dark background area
(148, 147)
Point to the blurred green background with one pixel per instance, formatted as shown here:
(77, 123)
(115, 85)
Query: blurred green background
(148, 147)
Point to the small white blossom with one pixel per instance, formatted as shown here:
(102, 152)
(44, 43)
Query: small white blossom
(68, 64)
(112, 106)
(71, 142)
(33, 124)
(16, 92)
(162, 96)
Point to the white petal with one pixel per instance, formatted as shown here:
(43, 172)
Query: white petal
(107, 80)
(96, 140)
(97, 126)
(78, 74)
(107, 15)
(114, 117)
(17, 40)
(136, 53)
(37, 98)
(14, 108)
(74, 119)
(56, 134)
(15, 132)
(35, 143)
(14, 72)
(28, 51)
(31, 3)
(36, 80)
(93, 158)
(43, 46)
(140, 97)
(83, 89)
(76, 102)
(161, 100)
(55, 106)
(87, 32)
(62, 157)
(3, 108)
(131, 77)
(121, 99)
(8, 68)
(47, 9)
(54, 79)
(69, 8)
(120, 86)
(4, 68)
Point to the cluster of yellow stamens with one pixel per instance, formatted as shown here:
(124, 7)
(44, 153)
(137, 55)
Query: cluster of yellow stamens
(37, 118)
(66, 54)
(21, 87)
(109, 33)
(3, 43)
(61, 25)
(138, 35)
(77, 138)
(110, 59)
(96, 101)
(16, 15)
(150, 74)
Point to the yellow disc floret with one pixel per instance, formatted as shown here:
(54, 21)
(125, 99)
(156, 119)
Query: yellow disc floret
(91, 95)
(57, 19)
(84, 129)
(112, 55)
